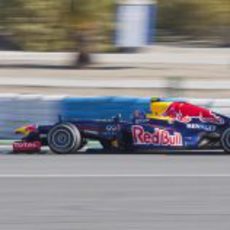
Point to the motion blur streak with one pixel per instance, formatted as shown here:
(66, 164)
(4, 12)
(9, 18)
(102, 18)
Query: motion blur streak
(172, 48)
(192, 194)
(117, 203)
(64, 25)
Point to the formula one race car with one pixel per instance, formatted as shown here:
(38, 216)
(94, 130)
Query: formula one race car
(169, 126)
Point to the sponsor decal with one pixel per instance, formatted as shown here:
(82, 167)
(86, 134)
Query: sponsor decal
(111, 128)
(26, 130)
(182, 119)
(209, 128)
(212, 118)
(185, 113)
(159, 137)
(27, 146)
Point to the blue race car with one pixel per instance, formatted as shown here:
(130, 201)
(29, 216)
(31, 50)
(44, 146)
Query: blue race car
(170, 125)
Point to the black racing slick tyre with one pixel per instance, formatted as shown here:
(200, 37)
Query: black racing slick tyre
(64, 138)
(225, 140)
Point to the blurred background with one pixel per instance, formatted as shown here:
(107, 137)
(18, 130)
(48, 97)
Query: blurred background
(52, 51)
(111, 47)
(59, 25)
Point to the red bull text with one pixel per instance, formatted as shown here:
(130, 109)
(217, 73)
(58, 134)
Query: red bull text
(158, 138)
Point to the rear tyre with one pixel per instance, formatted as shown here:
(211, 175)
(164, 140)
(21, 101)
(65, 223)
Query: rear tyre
(225, 140)
(64, 138)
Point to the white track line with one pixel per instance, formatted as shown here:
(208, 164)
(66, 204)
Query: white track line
(50, 176)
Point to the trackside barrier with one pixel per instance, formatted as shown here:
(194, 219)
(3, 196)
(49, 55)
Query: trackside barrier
(18, 110)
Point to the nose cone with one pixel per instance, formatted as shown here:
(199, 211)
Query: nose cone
(25, 130)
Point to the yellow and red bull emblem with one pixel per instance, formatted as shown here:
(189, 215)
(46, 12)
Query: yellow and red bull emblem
(183, 112)
(159, 137)
(26, 130)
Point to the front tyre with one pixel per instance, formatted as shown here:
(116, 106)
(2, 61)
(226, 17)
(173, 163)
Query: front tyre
(64, 138)
(225, 140)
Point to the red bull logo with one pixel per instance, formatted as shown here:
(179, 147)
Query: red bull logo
(25, 130)
(205, 118)
(185, 112)
(212, 118)
(158, 138)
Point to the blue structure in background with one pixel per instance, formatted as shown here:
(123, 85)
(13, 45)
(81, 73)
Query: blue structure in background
(136, 23)
(102, 107)
(23, 110)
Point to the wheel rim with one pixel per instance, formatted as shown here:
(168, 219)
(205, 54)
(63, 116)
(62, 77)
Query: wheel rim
(62, 139)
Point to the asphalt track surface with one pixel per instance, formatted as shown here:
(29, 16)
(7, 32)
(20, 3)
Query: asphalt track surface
(95, 190)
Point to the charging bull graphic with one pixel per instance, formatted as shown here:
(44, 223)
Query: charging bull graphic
(185, 112)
